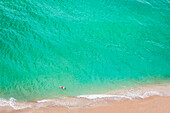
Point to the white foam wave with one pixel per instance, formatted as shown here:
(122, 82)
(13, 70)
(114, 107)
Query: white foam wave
(128, 95)
(45, 100)
(103, 96)
(12, 102)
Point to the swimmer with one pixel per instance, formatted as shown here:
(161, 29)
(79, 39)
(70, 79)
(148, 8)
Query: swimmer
(62, 87)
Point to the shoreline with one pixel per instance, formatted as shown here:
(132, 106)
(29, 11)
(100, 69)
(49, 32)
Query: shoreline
(154, 104)
(83, 103)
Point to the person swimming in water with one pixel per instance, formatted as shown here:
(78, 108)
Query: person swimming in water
(62, 87)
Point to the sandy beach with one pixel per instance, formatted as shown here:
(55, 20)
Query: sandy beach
(146, 100)
(154, 104)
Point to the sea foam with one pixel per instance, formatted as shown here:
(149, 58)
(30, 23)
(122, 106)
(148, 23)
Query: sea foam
(128, 95)
(12, 102)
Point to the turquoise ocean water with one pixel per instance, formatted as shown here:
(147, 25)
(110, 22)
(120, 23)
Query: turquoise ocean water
(89, 46)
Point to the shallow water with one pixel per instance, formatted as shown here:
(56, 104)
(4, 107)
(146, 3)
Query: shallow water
(87, 46)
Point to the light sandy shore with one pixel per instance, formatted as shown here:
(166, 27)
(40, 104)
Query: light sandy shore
(154, 104)
(145, 104)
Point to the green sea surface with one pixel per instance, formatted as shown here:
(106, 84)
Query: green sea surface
(88, 46)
